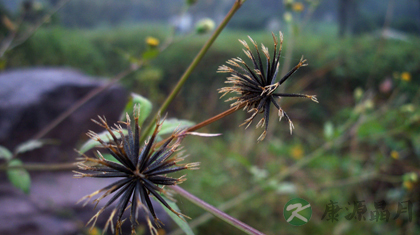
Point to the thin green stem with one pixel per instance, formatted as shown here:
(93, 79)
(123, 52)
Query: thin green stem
(194, 63)
(219, 214)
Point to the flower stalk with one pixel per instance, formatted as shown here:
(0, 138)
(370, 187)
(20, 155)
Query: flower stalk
(194, 63)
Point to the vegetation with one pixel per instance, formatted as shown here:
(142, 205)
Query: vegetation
(361, 143)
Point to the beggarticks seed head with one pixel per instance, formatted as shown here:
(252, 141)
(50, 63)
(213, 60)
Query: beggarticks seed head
(140, 172)
(256, 87)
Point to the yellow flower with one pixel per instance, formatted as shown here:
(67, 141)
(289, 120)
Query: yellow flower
(298, 7)
(408, 185)
(151, 41)
(406, 76)
(395, 154)
(94, 231)
(297, 152)
(161, 231)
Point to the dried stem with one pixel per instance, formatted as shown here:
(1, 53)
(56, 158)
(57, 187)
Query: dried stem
(219, 214)
(42, 167)
(215, 118)
(84, 100)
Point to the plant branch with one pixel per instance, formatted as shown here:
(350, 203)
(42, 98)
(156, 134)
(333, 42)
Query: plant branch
(194, 63)
(8, 44)
(41, 167)
(84, 100)
(219, 214)
(215, 118)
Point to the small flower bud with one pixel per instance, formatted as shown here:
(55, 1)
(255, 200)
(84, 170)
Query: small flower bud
(358, 93)
(204, 26)
(406, 76)
(288, 17)
(152, 42)
(298, 7)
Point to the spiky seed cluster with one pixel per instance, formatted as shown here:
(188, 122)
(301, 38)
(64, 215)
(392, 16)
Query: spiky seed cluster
(256, 86)
(140, 172)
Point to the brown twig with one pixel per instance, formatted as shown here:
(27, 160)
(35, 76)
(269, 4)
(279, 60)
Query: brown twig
(84, 100)
(41, 167)
(11, 43)
(216, 212)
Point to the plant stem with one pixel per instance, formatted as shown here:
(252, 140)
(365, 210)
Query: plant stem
(84, 100)
(194, 63)
(41, 167)
(205, 123)
(72, 166)
(219, 214)
(215, 118)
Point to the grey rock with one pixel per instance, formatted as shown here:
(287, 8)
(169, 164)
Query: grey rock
(29, 100)
(51, 206)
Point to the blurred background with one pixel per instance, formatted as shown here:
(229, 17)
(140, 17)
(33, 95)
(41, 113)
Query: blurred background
(359, 148)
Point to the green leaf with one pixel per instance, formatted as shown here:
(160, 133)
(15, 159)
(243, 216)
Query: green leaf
(370, 128)
(105, 136)
(240, 159)
(328, 130)
(20, 178)
(109, 157)
(145, 107)
(150, 54)
(28, 146)
(5, 153)
(171, 124)
(181, 223)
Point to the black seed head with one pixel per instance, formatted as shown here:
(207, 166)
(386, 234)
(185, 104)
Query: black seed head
(256, 86)
(139, 172)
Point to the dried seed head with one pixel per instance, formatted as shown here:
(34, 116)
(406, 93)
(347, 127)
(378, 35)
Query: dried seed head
(139, 172)
(256, 87)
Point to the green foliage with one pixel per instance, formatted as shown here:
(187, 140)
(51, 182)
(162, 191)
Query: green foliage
(105, 136)
(20, 178)
(99, 52)
(180, 222)
(144, 104)
(359, 137)
(29, 146)
(168, 127)
(5, 153)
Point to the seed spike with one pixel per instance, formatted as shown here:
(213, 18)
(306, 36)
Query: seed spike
(136, 182)
(255, 86)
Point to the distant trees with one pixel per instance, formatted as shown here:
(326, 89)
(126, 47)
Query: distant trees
(347, 16)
